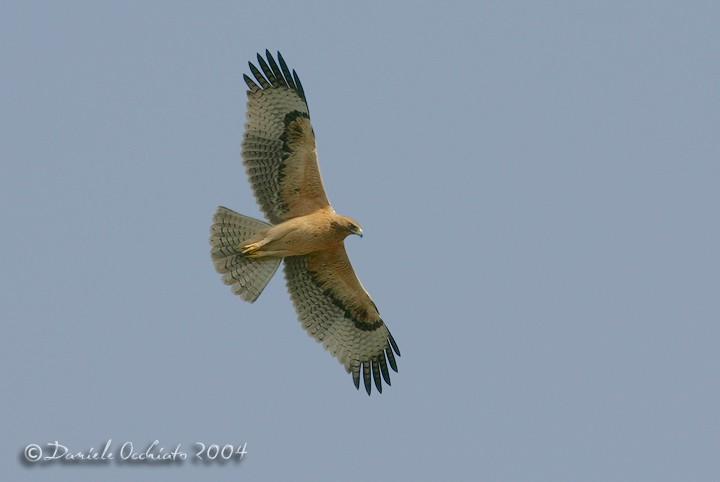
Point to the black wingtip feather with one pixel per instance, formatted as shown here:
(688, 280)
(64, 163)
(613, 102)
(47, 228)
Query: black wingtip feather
(384, 369)
(286, 71)
(394, 345)
(391, 359)
(274, 74)
(275, 69)
(376, 376)
(356, 377)
(251, 85)
(258, 76)
(300, 89)
(267, 71)
(366, 377)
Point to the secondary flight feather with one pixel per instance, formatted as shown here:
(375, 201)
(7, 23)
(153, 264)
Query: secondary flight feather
(304, 230)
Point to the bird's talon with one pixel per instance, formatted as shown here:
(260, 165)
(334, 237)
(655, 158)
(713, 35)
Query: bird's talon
(249, 249)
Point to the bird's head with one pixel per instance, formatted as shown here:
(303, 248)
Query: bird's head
(349, 226)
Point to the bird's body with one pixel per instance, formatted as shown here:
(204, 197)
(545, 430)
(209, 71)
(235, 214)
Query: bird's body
(280, 159)
(320, 230)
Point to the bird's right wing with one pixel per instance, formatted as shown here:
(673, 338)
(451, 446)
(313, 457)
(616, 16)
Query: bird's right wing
(279, 145)
(336, 310)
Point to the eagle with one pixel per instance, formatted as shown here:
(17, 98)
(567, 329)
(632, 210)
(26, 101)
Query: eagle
(304, 231)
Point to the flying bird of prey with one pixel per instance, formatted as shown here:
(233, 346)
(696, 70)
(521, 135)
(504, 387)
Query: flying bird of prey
(305, 231)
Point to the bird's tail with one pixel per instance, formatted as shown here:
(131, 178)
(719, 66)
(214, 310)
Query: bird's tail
(247, 276)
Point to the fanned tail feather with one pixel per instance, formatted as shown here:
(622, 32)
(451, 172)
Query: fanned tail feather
(247, 276)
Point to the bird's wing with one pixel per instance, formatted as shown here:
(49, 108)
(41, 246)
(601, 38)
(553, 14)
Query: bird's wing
(336, 310)
(279, 144)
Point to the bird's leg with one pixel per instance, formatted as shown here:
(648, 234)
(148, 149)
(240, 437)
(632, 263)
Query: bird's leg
(266, 245)
(254, 248)
(251, 250)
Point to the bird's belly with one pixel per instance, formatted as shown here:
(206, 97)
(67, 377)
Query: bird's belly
(302, 240)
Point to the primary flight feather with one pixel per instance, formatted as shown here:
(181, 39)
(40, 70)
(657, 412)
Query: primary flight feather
(304, 230)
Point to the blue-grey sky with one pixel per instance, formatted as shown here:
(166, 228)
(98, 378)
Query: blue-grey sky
(539, 187)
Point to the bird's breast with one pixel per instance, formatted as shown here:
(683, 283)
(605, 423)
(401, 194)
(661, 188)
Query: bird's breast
(306, 234)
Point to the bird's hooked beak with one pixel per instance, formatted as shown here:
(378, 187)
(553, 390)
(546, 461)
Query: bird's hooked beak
(359, 231)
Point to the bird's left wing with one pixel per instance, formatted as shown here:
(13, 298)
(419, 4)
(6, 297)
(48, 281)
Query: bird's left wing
(279, 145)
(336, 310)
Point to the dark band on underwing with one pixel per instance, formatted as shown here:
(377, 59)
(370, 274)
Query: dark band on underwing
(360, 325)
(287, 151)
